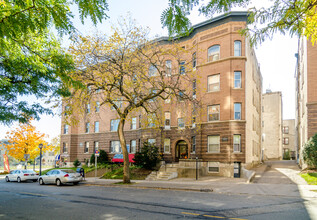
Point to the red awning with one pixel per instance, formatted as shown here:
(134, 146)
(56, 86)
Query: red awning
(119, 158)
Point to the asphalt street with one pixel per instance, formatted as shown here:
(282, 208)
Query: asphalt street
(32, 201)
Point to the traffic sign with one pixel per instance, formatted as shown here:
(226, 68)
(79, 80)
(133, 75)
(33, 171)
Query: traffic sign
(97, 153)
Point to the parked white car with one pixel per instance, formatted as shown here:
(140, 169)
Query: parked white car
(21, 175)
(60, 177)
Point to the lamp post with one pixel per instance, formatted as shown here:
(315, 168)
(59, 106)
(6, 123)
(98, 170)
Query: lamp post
(40, 146)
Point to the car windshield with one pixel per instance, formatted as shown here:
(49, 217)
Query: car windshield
(28, 171)
(68, 171)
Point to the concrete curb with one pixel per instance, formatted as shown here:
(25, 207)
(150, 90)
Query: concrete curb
(134, 185)
(248, 174)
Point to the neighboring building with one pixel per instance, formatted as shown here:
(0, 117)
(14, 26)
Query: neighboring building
(289, 138)
(306, 92)
(227, 131)
(272, 123)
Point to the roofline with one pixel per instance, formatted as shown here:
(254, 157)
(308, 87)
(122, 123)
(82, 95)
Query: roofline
(194, 28)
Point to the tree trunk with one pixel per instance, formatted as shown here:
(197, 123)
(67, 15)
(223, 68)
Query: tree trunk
(126, 170)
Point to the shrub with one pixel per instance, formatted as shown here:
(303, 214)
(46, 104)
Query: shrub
(310, 151)
(286, 155)
(76, 163)
(102, 159)
(147, 157)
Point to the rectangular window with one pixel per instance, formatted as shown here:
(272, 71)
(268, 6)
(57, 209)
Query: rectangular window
(182, 67)
(65, 150)
(167, 145)
(213, 113)
(96, 146)
(97, 106)
(168, 67)
(285, 130)
(151, 141)
(213, 83)
(115, 147)
(87, 127)
(96, 126)
(286, 141)
(114, 124)
(133, 123)
(180, 96)
(237, 48)
(140, 120)
(133, 147)
(152, 70)
(214, 144)
(86, 150)
(88, 108)
(180, 123)
(65, 129)
(194, 88)
(213, 167)
(214, 53)
(237, 79)
(194, 60)
(151, 120)
(237, 111)
(236, 143)
(167, 122)
(194, 144)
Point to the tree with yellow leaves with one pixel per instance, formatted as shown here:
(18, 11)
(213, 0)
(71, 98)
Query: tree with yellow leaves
(131, 74)
(25, 140)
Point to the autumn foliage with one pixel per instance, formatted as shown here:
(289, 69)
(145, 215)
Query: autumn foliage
(25, 140)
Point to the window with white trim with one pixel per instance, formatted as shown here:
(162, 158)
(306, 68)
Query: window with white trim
(168, 67)
(133, 146)
(97, 107)
(237, 111)
(96, 146)
(65, 148)
(167, 122)
(114, 124)
(237, 48)
(182, 67)
(213, 113)
(65, 129)
(213, 83)
(213, 144)
(236, 143)
(86, 149)
(151, 141)
(237, 79)
(213, 167)
(214, 53)
(167, 145)
(133, 123)
(96, 126)
(87, 127)
(115, 147)
(194, 60)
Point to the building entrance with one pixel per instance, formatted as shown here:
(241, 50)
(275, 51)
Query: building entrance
(181, 150)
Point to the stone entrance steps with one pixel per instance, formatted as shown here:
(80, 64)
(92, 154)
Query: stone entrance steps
(166, 172)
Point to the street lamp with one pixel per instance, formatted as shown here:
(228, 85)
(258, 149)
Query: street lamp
(40, 146)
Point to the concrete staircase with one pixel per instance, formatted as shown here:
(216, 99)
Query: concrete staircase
(166, 172)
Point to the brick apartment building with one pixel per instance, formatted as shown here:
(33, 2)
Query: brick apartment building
(306, 92)
(227, 131)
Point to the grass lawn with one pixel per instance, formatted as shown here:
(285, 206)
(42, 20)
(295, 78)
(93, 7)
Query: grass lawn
(311, 178)
(136, 173)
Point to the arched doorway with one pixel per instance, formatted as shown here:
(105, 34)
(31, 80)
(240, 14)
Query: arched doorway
(181, 150)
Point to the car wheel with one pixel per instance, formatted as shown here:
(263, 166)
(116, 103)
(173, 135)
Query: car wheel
(19, 180)
(75, 183)
(58, 182)
(7, 179)
(41, 182)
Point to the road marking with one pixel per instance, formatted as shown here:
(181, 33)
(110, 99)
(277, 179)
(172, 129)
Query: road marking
(32, 194)
(212, 216)
(188, 213)
(239, 218)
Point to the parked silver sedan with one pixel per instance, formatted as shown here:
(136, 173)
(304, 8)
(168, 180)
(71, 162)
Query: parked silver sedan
(22, 175)
(60, 177)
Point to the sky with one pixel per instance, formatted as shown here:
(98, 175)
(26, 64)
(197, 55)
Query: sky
(276, 57)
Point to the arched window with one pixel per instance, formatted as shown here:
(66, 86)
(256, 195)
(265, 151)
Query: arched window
(237, 48)
(213, 53)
